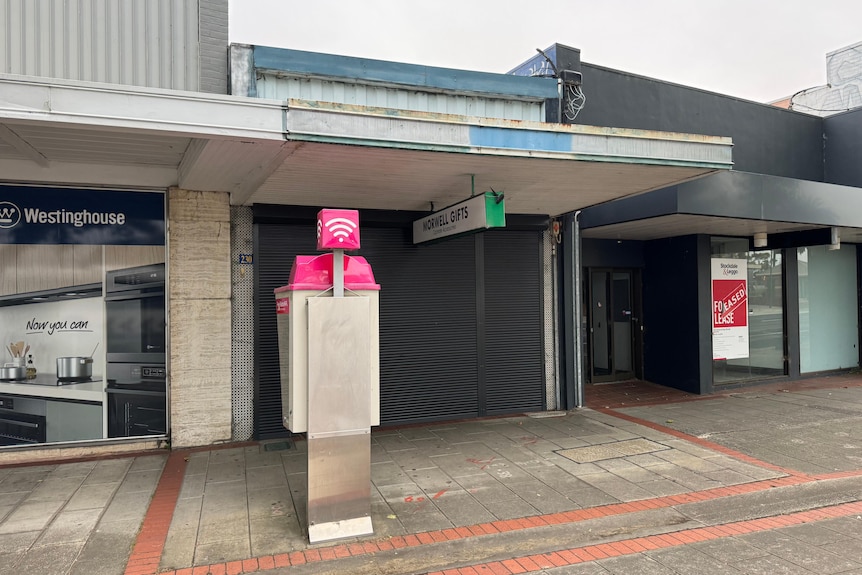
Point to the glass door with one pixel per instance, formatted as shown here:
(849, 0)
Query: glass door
(611, 324)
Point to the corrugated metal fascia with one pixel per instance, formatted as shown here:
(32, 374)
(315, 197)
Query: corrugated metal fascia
(386, 96)
(365, 70)
(346, 124)
(147, 43)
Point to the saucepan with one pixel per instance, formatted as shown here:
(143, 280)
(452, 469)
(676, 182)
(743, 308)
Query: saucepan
(13, 372)
(75, 367)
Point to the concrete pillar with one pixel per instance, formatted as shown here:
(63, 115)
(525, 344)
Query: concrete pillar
(199, 293)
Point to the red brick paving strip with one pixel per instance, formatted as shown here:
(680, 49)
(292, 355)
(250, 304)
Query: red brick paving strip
(150, 543)
(534, 563)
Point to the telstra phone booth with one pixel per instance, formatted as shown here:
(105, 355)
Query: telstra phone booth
(328, 337)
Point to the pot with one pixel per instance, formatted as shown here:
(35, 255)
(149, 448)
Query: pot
(12, 372)
(77, 368)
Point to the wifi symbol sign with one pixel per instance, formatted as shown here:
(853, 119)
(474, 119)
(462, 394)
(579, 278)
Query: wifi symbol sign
(338, 229)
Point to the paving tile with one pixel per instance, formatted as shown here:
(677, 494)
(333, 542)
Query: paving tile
(688, 559)
(92, 496)
(272, 502)
(431, 479)
(127, 507)
(56, 488)
(395, 442)
(388, 473)
(817, 534)
(462, 509)
(512, 508)
(109, 471)
(5, 510)
(197, 463)
(149, 462)
(9, 562)
(111, 542)
(222, 551)
(265, 477)
(616, 487)
(193, 486)
(227, 526)
(640, 564)
(727, 548)
(50, 559)
(769, 565)
(179, 550)
(542, 497)
(30, 516)
(97, 567)
(140, 481)
(15, 541)
(79, 468)
(70, 527)
(24, 480)
(187, 514)
(12, 498)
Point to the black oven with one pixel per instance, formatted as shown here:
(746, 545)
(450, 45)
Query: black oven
(17, 427)
(135, 315)
(135, 345)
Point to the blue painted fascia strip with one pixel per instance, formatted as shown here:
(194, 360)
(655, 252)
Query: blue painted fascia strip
(491, 137)
(349, 67)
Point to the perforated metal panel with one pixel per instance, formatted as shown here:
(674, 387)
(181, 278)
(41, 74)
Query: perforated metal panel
(549, 318)
(242, 325)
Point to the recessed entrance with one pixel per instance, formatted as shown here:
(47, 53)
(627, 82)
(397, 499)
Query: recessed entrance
(613, 324)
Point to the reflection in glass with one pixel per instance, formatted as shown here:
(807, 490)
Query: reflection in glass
(828, 322)
(765, 313)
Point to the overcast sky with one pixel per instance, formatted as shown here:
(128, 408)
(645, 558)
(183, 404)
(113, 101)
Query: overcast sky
(760, 50)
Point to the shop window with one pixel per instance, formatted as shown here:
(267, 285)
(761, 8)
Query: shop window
(828, 320)
(748, 312)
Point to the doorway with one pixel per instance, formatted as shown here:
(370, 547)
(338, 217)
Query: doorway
(614, 325)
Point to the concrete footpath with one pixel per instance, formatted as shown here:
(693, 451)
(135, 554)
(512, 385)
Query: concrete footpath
(645, 480)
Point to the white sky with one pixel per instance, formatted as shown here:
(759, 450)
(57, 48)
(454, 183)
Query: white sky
(760, 50)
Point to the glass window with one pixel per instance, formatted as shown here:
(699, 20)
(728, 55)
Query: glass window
(828, 318)
(765, 314)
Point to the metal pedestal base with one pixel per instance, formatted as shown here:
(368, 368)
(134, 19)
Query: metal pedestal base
(340, 529)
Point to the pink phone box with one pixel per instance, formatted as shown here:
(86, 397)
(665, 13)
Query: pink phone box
(338, 229)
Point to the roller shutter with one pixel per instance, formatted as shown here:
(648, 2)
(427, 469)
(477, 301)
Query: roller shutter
(430, 362)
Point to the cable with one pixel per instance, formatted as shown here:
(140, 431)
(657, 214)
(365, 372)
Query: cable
(575, 99)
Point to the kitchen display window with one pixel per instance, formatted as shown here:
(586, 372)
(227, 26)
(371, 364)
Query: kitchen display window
(64, 376)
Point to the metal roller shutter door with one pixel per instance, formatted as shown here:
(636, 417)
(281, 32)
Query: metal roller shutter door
(514, 356)
(428, 368)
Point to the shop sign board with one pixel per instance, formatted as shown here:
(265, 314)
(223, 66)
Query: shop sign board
(43, 215)
(729, 308)
(475, 214)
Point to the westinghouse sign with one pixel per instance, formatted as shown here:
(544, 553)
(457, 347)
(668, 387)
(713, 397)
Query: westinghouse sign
(70, 216)
(475, 214)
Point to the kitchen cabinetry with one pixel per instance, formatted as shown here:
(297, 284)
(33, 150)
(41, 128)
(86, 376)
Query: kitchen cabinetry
(29, 268)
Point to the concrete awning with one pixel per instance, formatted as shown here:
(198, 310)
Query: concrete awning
(731, 204)
(311, 153)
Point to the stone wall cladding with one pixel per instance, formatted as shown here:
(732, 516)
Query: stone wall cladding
(200, 317)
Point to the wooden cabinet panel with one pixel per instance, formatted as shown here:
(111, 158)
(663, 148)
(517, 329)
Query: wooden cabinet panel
(87, 264)
(42, 267)
(120, 257)
(8, 271)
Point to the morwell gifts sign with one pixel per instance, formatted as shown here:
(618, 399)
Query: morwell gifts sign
(478, 213)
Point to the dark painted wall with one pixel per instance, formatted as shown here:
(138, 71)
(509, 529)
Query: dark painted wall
(671, 325)
(843, 133)
(611, 253)
(766, 139)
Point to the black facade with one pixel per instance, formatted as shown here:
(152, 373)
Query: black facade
(842, 135)
(461, 320)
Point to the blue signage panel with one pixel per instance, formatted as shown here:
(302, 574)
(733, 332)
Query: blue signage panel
(72, 216)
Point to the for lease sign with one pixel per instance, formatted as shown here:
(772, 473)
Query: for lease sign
(729, 308)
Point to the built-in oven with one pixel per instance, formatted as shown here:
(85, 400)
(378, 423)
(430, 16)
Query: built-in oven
(17, 427)
(135, 314)
(135, 346)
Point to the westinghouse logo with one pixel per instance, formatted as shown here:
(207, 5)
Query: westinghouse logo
(10, 215)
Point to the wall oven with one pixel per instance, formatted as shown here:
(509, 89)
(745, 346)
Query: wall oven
(135, 341)
(135, 314)
(17, 426)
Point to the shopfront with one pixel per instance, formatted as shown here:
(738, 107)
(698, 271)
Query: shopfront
(82, 315)
(735, 291)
